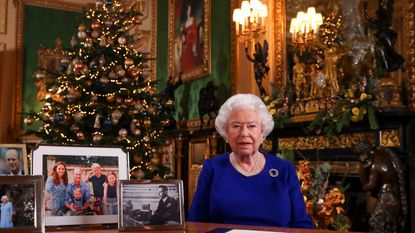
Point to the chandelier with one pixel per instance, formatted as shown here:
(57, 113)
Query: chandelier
(304, 27)
(250, 20)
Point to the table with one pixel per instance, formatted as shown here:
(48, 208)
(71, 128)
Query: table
(191, 227)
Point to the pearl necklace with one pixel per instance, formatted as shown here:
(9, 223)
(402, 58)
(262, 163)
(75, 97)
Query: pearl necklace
(235, 163)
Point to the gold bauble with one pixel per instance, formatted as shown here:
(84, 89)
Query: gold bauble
(157, 177)
(81, 27)
(80, 135)
(110, 98)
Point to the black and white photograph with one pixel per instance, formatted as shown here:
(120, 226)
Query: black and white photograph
(13, 159)
(80, 183)
(20, 203)
(150, 205)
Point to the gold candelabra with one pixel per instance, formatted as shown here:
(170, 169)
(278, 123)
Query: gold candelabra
(304, 27)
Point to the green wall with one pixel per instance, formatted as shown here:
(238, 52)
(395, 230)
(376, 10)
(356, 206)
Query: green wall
(42, 26)
(187, 95)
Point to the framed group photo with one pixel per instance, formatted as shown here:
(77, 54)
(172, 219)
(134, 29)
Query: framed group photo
(13, 159)
(21, 202)
(189, 39)
(150, 205)
(81, 182)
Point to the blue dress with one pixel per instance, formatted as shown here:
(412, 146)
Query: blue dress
(270, 198)
(6, 213)
(58, 193)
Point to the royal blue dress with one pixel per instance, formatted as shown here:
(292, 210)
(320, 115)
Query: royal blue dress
(270, 198)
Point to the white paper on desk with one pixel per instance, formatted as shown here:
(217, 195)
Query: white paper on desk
(250, 231)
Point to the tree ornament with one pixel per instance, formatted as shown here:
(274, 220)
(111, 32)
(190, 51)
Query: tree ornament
(80, 135)
(95, 34)
(97, 137)
(147, 122)
(104, 80)
(28, 121)
(122, 40)
(110, 98)
(97, 122)
(139, 174)
(74, 128)
(157, 177)
(81, 27)
(123, 133)
(95, 25)
(115, 116)
(77, 116)
(129, 62)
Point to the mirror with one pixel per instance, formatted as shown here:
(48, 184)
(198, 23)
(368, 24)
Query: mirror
(355, 54)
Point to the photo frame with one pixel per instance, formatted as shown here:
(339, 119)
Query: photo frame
(167, 156)
(25, 195)
(13, 159)
(86, 169)
(151, 205)
(189, 39)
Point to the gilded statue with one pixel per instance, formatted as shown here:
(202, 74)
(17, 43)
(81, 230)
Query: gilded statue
(299, 78)
(382, 174)
(331, 57)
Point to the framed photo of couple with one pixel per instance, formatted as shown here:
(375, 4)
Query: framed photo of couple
(81, 182)
(21, 200)
(151, 205)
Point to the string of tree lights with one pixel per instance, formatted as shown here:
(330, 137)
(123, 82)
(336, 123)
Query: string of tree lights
(102, 95)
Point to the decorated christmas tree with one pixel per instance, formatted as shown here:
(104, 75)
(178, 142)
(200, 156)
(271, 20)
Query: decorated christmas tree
(102, 93)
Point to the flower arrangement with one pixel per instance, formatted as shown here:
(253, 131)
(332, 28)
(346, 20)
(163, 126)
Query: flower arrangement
(352, 108)
(324, 204)
(278, 108)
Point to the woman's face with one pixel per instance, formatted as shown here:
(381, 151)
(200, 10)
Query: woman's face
(244, 131)
(189, 11)
(60, 170)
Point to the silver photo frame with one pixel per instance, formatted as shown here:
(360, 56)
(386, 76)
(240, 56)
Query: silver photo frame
(77, 164)
(24, 196)
(151, 205)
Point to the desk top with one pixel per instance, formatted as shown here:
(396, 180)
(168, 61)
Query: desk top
(193, 227)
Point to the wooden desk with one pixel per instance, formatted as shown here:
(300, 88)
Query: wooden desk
(194, 227)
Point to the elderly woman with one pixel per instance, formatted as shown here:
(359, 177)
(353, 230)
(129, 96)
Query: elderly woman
(247, 186)
(6, 210)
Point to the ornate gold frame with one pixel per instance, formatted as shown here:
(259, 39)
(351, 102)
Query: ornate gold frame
(20, 4)
(408, 48)
(201, 70)
(3, 16)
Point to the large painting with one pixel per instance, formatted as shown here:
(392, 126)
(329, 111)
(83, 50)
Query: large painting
(189, 39)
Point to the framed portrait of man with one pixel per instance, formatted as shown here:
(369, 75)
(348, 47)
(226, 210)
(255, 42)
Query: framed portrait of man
(13, 159)
(150, 205)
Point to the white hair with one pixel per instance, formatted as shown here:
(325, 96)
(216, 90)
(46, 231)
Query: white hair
(4, 197)
(244, 101)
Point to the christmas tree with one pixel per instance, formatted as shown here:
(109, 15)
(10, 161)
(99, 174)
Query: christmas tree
(101, 94)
